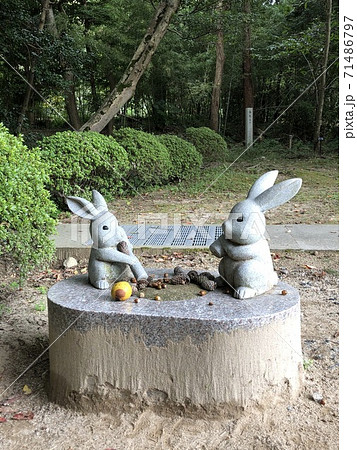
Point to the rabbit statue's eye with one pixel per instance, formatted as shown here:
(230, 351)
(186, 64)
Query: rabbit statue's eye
(105, 227)
(240, 218)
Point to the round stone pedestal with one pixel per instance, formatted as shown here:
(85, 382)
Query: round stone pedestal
(209, 351)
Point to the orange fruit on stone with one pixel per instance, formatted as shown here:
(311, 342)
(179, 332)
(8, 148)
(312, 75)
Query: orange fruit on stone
(121, 291)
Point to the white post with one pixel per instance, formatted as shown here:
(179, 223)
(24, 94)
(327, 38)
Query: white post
(248, 126)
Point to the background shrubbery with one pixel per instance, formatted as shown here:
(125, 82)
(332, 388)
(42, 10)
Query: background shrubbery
(26, 211)
(150, 162)
(186, 160)
(207, 142)
(79, 162)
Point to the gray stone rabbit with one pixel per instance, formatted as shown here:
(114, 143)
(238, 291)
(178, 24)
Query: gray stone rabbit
(246, 263)
(106, 263)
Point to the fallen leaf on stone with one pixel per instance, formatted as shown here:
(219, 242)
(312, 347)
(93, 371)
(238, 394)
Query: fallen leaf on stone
(23, 416)
(27, 390)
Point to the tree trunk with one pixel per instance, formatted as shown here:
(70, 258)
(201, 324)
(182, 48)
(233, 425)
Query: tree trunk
(248, 91)
(110, 126)
(125, 89)
(71, 101)
(322, 81)
(220, 57)
(31, 77)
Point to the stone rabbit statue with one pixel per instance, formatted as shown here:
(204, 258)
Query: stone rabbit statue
(111, 258)
(246, 263)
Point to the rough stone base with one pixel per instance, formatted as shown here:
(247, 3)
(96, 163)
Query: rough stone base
(189, 355)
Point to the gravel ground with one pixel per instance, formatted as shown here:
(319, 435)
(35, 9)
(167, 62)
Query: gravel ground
(29, 421)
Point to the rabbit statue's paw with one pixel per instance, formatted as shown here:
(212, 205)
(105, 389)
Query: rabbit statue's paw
(244, 292)
(101, 284)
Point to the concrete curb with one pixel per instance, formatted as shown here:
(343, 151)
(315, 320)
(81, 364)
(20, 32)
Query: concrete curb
(73, 239)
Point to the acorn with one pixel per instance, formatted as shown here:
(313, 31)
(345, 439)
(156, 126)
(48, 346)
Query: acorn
(142, 295)
(210, 304)
(136, 300)
(284, 292)
(202, 293)
(157, 298)
(123, 247)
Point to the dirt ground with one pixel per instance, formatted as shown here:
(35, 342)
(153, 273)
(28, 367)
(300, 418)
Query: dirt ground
(29, 421)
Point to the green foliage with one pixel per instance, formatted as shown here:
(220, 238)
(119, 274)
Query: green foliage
(150, 162)
(79, 162)
(26, 210)
(209, 143)
(40, 306)
(186, 160)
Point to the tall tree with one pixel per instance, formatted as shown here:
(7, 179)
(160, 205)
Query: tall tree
(322, 81)
(220, 57)
(125, 89)
(32, 64)
(68, 76)
(248, 91)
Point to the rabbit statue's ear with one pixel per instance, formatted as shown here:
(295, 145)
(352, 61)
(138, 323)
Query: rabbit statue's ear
(262, 184)
(98, 201)
(82, 207)
(278, 194)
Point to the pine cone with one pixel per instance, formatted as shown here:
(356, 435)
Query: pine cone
(180, 279)
(142, 284)
(206, 283)
(208, 275)
(178, 270)
(192, 275)
(123, 247)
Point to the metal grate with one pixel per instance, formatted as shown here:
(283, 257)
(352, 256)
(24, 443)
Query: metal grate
(217, 232)
(201, 237)
(182, 235)
(172, 236)
(159, 236)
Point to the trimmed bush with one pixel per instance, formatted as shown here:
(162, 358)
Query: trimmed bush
(186, 160)
(150, 163)
(81, 161)
(26, 211)
(209, 143)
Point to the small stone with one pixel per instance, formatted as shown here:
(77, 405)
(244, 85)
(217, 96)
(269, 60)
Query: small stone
(157, 298)
(284, 292)
(133, 280)
(202, 293)
(210, 304)
(136, 300)
(70, 263)
(142, 295)
(317, 397)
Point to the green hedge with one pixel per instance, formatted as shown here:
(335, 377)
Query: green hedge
(81, 161)
(26, 211)
(209, 143)
(150, 163)
(186, 160)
